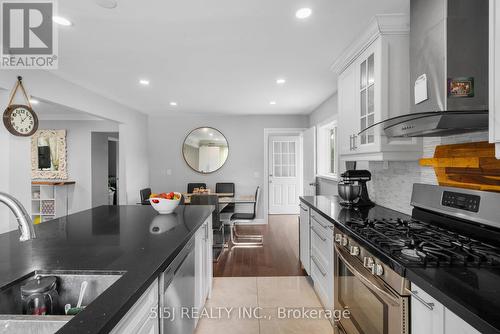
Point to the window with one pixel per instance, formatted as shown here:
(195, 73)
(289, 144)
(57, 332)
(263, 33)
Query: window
(327, 150)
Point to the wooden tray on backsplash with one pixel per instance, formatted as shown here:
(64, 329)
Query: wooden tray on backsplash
(470, 165)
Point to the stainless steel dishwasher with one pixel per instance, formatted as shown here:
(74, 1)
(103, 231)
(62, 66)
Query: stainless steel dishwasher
(177, 297)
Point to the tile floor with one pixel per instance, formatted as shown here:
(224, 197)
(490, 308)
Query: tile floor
(267, 298)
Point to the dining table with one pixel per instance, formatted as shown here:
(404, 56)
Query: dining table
(224, 199)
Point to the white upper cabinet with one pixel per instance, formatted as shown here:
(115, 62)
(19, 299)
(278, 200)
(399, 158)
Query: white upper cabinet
(374, 85)
(494, 83)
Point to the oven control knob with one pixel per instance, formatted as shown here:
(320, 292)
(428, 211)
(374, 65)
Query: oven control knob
(368, 262)
(344, 241)
(354, 250)
(338, 238)
(377, 269)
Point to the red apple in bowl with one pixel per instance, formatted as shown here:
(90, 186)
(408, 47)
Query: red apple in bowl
(165, 203)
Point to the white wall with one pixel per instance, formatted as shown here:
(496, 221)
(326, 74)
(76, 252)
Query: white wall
(15, 169)
(325, 113)
(134, 171)
(79, 152)
(245, 164)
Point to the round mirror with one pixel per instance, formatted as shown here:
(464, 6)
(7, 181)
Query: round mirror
(205, 150)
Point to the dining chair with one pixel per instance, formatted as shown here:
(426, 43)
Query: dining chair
(145, 193)
(192, 186)
(217, 225)
(226, 188)
(257, 240)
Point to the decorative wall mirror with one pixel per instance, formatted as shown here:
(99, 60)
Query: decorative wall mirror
(205, 150)
(48, 155)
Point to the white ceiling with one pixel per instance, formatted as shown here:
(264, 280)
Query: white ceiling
(52, 111)
(212, 56)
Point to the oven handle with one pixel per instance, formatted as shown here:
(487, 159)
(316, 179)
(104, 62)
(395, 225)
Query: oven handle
(368, 281)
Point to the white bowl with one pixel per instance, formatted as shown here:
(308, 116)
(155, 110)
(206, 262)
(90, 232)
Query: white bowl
(164, 206)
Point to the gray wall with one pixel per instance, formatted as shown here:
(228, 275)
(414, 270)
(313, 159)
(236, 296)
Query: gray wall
(79, 153)
(100, 166)
(325, 112)
(245, 164)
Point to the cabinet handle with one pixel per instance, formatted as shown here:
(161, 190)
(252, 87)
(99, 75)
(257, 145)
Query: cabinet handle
(206, 232)
(320, 223)
(318, 265)
(303, 208)
(354, 146)
(317, 233)
(414, 294)
(350, 143)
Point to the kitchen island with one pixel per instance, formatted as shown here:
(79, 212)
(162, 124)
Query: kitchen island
(471, 293)
(134, 240)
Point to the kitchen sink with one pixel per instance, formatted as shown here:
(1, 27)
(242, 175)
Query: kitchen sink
(13, 321)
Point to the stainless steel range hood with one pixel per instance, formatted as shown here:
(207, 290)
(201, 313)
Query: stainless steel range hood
(448, 70)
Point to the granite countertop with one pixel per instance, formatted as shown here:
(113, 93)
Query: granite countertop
(472, 293)
(133, 239)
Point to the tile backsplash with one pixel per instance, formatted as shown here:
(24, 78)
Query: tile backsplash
(391, 187)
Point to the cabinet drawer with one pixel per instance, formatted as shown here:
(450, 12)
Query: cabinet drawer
(304, 208)
(321, 279)
(323, 247)
(322, 226)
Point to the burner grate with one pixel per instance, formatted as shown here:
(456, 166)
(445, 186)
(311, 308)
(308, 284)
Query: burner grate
(416, 243)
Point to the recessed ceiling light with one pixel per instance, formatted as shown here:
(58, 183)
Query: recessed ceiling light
(33, 101)
(173, 104)
(108, 4)
(272, 103)
(144, 82)
(280, 81)
(303, 13)
(61, 21)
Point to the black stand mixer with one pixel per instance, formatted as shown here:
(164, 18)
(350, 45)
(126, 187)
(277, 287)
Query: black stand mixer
(353, 190)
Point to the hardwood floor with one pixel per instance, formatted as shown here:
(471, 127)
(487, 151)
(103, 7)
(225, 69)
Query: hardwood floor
(278, 257)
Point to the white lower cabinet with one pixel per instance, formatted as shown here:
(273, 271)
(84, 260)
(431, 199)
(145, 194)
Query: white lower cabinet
(453, 324)
(321, 238)
(138, 319)
(428, 316)
(203, 263)
(305, 238)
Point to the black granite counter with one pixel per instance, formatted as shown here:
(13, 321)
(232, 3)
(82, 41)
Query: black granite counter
(471, 293)
(133, 239)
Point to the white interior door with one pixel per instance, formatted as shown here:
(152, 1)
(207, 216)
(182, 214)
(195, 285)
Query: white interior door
(309, 170)
(284, 174)
(209, 158)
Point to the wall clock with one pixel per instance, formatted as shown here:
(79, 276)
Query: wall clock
(20, 120)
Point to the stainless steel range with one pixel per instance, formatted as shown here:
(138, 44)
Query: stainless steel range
(448, 227)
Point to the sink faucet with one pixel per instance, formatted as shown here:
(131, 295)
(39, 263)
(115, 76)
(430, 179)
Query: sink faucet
(23, 219)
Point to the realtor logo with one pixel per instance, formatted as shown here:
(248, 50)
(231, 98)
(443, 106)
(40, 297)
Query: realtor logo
(28, 35)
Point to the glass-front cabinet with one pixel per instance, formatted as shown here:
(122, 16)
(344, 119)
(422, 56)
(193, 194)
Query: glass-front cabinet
(373, 85)
(366, 101)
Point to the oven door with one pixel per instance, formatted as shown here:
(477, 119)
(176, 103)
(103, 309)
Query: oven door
(374, 307)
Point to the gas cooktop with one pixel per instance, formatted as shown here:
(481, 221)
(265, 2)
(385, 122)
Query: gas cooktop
(416, 243)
